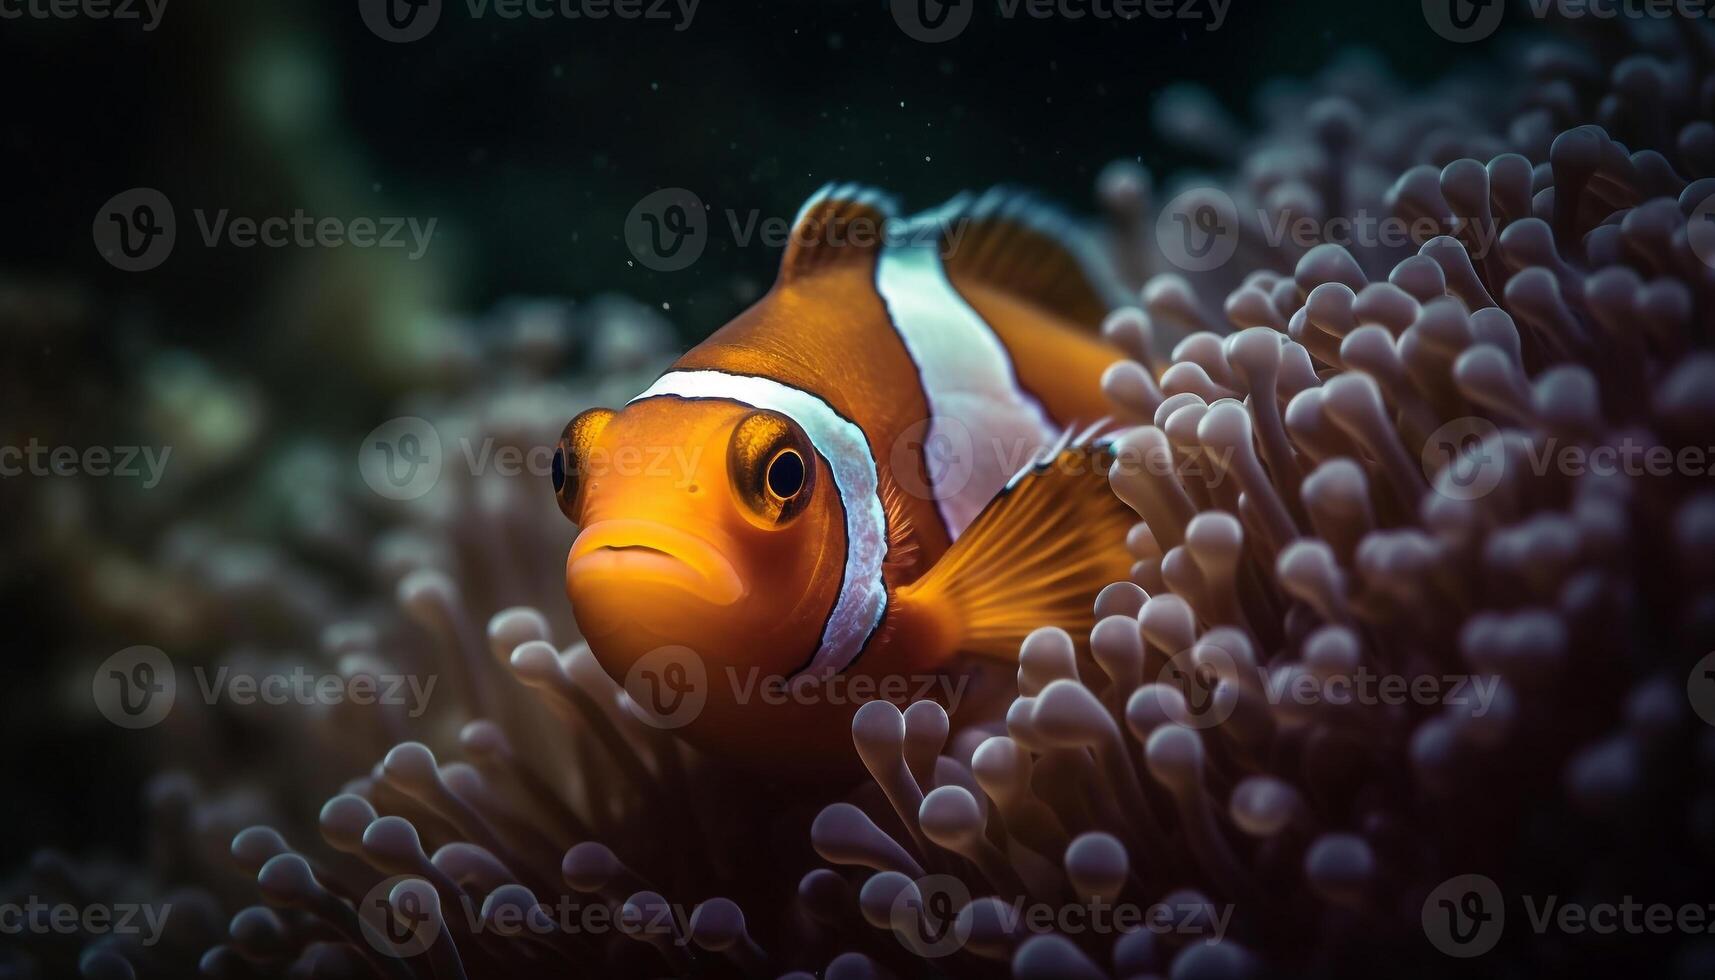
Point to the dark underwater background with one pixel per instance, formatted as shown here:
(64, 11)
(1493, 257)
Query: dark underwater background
(529, 141)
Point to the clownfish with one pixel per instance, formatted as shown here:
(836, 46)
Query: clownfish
(888, 468)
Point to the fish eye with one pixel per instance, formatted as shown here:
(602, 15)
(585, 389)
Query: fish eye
(571, 458)
(770, 463)
(786, 474)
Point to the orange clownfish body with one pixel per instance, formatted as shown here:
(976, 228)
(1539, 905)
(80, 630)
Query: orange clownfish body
(868, 474)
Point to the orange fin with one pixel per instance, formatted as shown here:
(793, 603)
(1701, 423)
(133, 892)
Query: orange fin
(1036, 556)
(1015, 242)
(839, 223)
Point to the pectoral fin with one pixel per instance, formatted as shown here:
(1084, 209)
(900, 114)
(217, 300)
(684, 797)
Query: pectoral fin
(1035, 556)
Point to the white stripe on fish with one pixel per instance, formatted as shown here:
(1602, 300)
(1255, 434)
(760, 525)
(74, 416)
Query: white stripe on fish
(863, 596)
(981, 421)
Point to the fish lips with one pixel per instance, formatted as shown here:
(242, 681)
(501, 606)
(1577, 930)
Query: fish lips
(625, 571)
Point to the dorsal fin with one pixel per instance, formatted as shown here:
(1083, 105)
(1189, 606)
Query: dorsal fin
(1014, 241)
(839, 223)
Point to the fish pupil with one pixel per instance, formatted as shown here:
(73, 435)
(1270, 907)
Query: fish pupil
(786, 475)
(559, 470)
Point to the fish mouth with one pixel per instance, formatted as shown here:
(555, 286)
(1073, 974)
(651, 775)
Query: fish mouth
(633, 547)
(629, 553)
